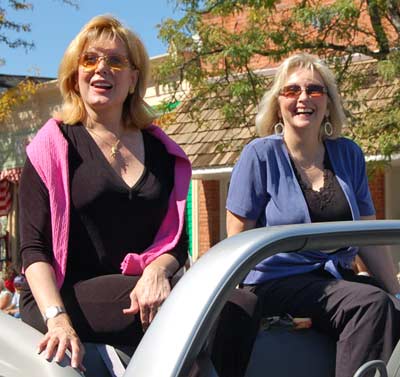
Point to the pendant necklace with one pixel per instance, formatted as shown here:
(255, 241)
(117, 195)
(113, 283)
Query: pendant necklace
(114, 147)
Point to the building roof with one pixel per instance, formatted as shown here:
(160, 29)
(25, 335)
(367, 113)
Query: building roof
(10, 81)
(212, 143)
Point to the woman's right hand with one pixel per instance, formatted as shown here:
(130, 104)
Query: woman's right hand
(60, 337)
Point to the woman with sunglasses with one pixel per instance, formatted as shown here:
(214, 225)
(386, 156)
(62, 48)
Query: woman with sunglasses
(302, 171)
(102, 200)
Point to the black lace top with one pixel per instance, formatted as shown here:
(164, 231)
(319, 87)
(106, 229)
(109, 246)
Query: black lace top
(329, 203)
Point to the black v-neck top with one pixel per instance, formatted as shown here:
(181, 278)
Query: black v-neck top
(108, 218)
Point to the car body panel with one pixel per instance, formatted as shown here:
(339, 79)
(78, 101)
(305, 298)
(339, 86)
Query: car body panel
(181, 327)
(18, 352)
(196, 301)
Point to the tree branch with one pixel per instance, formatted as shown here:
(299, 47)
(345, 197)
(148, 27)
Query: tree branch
(393, 13)
(376, 22)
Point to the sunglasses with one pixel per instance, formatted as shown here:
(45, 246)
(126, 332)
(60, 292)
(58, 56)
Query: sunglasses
(90, 60)
(294, 91)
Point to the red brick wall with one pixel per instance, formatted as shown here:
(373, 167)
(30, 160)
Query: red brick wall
(237, 23)
(208, 206)
(377, 187)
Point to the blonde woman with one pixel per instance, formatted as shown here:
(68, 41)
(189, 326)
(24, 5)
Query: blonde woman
(102, 201)
(302, 171)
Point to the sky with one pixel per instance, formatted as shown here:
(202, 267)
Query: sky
(55, 24)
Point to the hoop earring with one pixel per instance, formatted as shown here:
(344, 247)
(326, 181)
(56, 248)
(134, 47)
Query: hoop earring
(328, 128)
(279, 129)
(131, 90)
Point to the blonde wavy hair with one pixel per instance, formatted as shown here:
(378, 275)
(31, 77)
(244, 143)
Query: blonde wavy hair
(136, 113)
(267, 115)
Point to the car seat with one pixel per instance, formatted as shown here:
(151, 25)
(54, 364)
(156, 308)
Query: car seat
(283, 352)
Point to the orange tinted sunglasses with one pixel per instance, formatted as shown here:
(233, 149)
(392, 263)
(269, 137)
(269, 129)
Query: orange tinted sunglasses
(90, 60)
(294, 91)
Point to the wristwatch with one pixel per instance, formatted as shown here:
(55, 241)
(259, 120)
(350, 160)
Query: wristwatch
(52, 312)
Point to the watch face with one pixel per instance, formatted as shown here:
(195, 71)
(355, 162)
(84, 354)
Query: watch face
(52, 311)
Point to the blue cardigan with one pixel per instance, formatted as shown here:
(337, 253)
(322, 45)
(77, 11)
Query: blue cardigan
(264, 188)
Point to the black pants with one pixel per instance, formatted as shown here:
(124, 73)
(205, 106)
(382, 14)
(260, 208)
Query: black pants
(95, 308)
(362, 318)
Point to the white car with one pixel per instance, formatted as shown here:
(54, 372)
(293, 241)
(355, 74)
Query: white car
(177, 335)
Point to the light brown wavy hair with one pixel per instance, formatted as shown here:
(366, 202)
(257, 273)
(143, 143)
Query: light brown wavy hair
(136, 113)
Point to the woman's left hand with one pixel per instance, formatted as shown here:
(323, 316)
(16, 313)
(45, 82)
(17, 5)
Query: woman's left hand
(149, 293)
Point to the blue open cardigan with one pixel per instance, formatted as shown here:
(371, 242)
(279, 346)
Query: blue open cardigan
(264, 188)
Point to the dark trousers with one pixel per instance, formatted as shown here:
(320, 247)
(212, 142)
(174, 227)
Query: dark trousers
(95, 307)
(235, 334)
(363, 319)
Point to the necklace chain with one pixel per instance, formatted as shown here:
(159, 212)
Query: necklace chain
(114, 147)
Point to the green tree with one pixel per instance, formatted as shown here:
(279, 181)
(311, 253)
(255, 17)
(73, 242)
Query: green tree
(217, 58)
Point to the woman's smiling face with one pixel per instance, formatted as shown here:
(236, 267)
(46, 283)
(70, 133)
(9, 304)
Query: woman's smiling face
(104, 88)
(303, 111)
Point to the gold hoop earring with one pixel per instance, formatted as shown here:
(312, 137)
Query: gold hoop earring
(279, 129)
(328, 128)
(131, 90)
